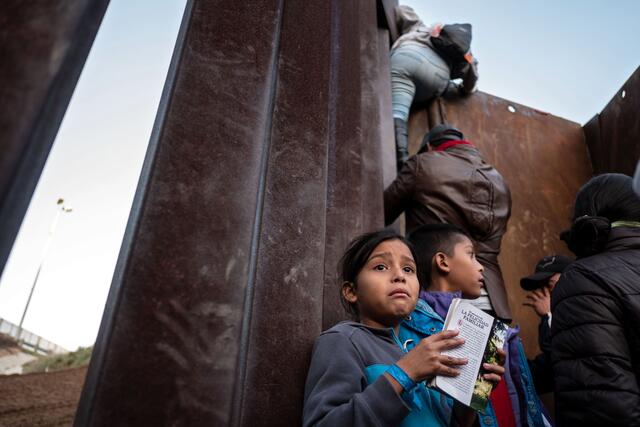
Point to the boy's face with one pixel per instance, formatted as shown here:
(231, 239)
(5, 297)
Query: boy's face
(465, 272)
(387, 287)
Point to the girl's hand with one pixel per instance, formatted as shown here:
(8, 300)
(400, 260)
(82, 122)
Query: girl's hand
(425, 360)
(495, 371)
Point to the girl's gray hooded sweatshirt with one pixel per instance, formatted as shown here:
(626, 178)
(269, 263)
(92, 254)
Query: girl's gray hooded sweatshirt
(338, 392)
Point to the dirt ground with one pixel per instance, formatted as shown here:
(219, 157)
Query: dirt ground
(42, 399)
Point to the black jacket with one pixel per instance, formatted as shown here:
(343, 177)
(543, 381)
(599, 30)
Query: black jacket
(595, 336)
(541, 368)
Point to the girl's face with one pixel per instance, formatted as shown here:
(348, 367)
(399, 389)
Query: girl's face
(387, 287)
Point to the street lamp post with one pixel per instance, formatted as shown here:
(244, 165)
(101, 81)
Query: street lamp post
(52, 230)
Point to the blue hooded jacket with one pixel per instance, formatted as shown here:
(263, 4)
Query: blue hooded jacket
(428, 319)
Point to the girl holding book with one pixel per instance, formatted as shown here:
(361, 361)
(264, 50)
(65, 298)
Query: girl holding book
(362, 373)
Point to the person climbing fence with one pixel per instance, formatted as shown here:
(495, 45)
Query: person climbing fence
(427, 62)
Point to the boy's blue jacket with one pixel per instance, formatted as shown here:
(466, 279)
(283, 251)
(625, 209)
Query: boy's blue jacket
(425, 321)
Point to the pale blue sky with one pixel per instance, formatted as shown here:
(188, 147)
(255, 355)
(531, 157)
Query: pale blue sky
(94, 165)
(565, 57)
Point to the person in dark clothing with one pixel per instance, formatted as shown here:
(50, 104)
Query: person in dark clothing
(540, 285)
(595, 338)
(360, 373)
(447, 181)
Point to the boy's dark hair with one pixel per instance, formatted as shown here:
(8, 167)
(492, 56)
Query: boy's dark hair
(430, 239)
(356, 256)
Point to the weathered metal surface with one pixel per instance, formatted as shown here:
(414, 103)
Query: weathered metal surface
(262, 166)
(595, 149)
(171, 335)
(387, 18)
(43, 47)
(613, 136)
(345, 155)
(356, 166)
(544, 160)
(287, 303)
(385, 127)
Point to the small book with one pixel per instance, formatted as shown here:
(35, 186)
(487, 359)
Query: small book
(483, 335)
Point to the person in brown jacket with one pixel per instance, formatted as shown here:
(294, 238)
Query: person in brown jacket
(447, 181)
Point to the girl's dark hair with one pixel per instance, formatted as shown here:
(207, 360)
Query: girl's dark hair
(356, 256)
(610, 196)
(602, 200)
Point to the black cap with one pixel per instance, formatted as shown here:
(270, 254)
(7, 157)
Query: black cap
(546, 267)
(439, 134)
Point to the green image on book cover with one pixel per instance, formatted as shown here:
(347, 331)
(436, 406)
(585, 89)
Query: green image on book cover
(483, 388)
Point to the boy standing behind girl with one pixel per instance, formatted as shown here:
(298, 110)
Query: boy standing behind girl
(447, 269)
(363, 372)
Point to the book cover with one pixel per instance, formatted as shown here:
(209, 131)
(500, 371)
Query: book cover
(483, 335)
